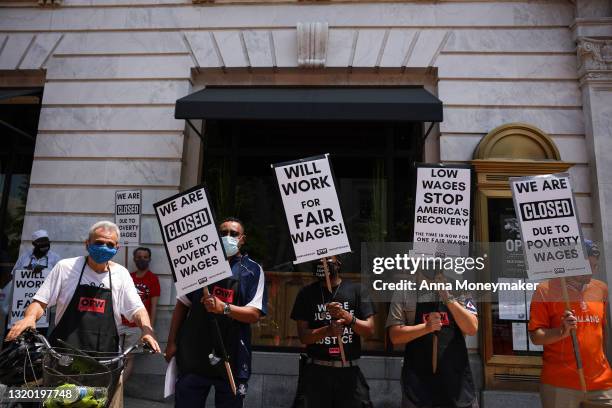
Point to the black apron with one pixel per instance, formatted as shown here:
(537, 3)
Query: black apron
(452, 384)
(198, 337)
(88, 323)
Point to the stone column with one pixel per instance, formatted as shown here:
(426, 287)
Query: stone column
(593, 35)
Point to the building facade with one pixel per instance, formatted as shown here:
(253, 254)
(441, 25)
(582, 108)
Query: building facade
(526, 87)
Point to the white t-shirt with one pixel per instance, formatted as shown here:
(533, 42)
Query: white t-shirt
(60, 284)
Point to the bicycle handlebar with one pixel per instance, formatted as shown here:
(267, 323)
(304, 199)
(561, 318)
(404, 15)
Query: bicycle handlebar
(42, 339)
(145, 348)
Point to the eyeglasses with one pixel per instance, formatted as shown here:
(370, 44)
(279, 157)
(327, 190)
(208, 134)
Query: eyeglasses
(231, 233)
(110, 245)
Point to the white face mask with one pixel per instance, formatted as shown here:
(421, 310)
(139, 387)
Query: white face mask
(230, 244)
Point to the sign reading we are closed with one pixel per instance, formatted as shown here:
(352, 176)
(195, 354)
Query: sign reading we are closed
(550, 230)
(128, 206)
(191, 240)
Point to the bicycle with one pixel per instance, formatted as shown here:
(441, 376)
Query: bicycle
(71, 377)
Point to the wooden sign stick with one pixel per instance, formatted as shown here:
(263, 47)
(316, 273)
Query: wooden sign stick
(228, 367)
(575, 343)
(329, 287)
(434, 345)
(434, 353)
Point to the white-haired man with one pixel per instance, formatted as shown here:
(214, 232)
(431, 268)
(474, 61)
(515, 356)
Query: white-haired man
(90, 294)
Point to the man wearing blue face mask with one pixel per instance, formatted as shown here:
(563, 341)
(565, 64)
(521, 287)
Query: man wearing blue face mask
(234, 304)
(90, 294)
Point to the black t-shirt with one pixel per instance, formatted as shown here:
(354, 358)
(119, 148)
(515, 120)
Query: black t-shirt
(310, 306)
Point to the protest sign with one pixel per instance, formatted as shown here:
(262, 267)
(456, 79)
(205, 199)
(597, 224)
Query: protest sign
(550, 230)
(312, 208)
(551, 235)
(442, 210)
(191, 239)
(25, 285)
(127, 215)
(441, 217)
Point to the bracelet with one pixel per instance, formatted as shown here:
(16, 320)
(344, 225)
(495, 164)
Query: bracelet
(353, 322)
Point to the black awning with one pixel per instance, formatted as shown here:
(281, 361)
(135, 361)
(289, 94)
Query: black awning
(8, 93)
(413, 104)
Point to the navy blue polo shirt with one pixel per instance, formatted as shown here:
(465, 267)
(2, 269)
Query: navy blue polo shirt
(252, 291)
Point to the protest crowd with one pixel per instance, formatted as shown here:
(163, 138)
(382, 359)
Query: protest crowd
(100, 308)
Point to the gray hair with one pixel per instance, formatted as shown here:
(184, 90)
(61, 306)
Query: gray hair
(105, 225)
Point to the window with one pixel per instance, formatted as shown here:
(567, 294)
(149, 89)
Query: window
(509, 320)
(18, 127)
(373, 167)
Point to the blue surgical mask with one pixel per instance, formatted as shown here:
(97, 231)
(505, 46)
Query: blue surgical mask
(101, 253)
(230, 244)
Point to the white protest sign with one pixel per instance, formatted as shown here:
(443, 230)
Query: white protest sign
(312, 208)
(127, 215)
(442, 210)
(192, 242)
(550, 231)
(25, 285)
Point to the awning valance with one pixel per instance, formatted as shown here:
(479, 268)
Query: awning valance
(412, 104)
(8, 93)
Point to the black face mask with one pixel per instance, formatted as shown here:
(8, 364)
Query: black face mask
(142, 264)
(41, 250)
(319, 272)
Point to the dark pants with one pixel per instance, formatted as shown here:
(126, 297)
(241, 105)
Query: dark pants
(299, 399)
(192, 390)
(331, 387)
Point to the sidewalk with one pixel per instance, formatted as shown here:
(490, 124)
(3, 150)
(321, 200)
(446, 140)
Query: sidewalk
(129, 402)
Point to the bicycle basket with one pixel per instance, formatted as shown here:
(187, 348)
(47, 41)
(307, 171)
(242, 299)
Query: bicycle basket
(64, 367)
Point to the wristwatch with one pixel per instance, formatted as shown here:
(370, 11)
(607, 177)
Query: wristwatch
(227, 309)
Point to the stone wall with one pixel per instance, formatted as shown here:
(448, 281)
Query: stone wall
(114, 68)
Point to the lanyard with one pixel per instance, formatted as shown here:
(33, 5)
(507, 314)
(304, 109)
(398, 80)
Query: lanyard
(333, 294)
(36, 261)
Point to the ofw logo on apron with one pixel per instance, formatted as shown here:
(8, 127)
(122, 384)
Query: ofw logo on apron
(226, 295)
(443, 318)
(87, 304)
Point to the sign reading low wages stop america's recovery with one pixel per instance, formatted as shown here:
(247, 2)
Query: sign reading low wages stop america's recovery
(442, 210)
(550, 230)
(191, 239)
(26, 283)
(312, 208)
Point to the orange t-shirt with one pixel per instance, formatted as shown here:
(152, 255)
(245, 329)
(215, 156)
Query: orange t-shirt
(589, 307)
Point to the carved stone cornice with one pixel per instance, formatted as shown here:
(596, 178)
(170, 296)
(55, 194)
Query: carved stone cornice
(312, 44)
(599, 27)
(594, 59)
